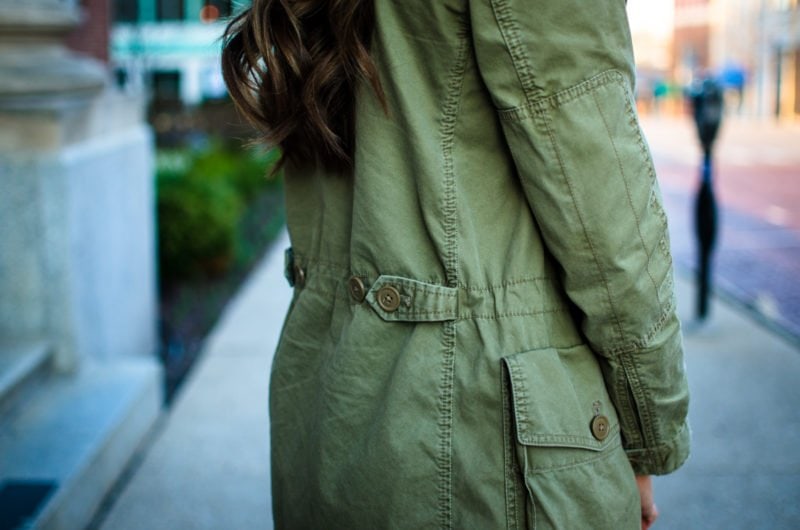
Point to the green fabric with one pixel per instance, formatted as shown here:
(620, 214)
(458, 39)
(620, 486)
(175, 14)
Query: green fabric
(510, 199)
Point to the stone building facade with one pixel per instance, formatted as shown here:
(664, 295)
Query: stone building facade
(80, 385)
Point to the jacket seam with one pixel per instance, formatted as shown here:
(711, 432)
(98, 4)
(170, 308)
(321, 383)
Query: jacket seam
(663, 244)
(632, 121)
(506, 22)
(657, 456)
(627, 193)
(482, 316)
(641, 343)
(445, 457)
(510, 468)
(421, 312)
(567, 181)
(626, 408)
(451, 107)
(606, 451)
(428, 291)
(343, 271)
(503, 285)
(554, 101)
(640, 404)
(642, 417)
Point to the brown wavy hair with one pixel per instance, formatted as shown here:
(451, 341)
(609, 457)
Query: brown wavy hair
(292, 68)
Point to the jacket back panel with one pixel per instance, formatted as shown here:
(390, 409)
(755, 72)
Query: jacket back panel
(416, 415)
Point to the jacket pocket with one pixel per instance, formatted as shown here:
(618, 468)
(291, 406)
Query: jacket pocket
(567, 441)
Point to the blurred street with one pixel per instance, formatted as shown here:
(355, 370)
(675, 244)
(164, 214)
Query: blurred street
(208, 465)
(757, 186)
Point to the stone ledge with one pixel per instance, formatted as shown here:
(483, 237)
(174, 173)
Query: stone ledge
(20, 363)
(79, 432)
(46, 76)
(24, 19)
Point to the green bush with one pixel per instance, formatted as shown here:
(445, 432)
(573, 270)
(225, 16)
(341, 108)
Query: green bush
(246, 170)
(201, 198)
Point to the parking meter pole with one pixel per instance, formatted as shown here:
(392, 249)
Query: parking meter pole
(707, 106)
(706, 228)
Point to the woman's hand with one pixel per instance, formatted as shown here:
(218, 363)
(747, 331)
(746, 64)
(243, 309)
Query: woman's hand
(649, 509)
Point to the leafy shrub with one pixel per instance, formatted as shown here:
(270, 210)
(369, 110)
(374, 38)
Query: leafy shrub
(201, 198)
(246, 170)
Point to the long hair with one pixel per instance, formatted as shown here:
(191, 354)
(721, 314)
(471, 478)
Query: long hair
(292, 67)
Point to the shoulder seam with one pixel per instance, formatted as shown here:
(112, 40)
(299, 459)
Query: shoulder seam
(541, 105)
(510, 32)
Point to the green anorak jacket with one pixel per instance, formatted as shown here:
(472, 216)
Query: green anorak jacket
(483, 330)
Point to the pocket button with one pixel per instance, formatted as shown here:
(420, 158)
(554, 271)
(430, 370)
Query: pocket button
(299, 276)
(600, 427)
(388, 298)
(357, 289)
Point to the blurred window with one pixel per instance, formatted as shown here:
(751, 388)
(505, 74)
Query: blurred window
(170, 10)
(126, 10)
(166, 86)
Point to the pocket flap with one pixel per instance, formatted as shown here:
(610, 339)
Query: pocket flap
(556, 395)
(416, 301)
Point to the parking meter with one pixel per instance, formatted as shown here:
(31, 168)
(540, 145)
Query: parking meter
(707, 109)
(707, 106)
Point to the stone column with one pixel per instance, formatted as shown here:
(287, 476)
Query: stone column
(33, 62)
(79, 384)
(76, 197)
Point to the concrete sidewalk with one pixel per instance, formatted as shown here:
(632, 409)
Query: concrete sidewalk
(208, 466)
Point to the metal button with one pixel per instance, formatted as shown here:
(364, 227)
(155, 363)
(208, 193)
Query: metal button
(357, 289)
(600, 427)
(299, 276)
(388, 298)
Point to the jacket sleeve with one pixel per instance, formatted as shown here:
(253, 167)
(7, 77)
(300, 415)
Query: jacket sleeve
(561, 75)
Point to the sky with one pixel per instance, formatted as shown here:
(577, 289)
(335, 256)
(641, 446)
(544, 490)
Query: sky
(651, 16)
